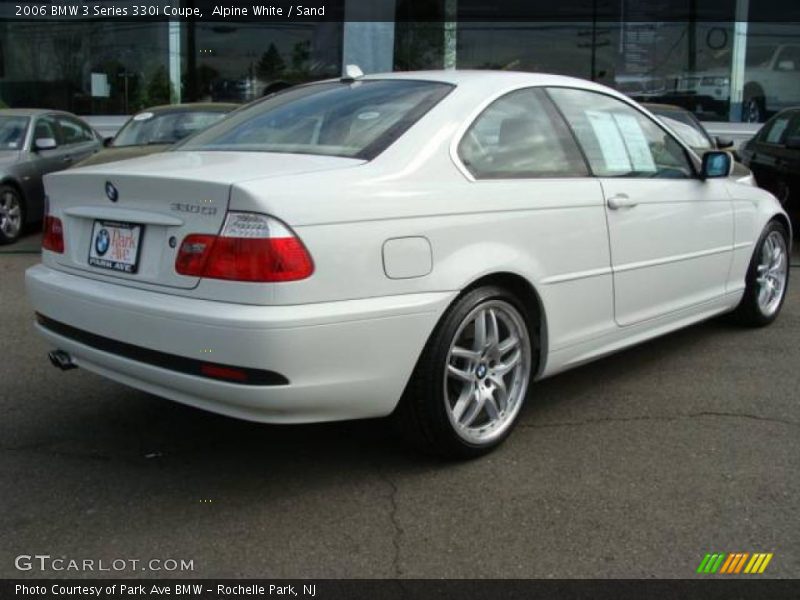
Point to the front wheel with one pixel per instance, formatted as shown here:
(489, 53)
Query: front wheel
(472, 378)
(767, 278)
(11, 214)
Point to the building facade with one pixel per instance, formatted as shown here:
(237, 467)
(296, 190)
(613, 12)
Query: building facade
(740, 68)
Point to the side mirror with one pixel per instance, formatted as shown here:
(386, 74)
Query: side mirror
(786, 65)
(793, 142)
(716, 164)
(107, 142)
(44, 144)
(723, 142)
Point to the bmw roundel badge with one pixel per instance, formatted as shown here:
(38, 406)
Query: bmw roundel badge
(101, 242)
(111, 192)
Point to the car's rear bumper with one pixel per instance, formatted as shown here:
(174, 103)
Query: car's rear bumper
(334, 360)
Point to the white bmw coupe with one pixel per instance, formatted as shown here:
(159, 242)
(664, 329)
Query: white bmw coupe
(421, 244)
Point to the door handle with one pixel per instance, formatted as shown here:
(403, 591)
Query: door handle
(620, 201)
(66, 159)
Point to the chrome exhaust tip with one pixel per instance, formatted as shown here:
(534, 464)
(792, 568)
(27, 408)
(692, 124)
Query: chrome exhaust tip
(62, 360)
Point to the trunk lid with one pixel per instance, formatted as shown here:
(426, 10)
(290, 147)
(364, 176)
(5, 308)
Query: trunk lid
(140, 210)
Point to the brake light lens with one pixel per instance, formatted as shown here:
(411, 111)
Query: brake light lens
(53, 238)
(252, 247)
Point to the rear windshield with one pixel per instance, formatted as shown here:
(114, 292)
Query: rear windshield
(350, 119)
(164, 128)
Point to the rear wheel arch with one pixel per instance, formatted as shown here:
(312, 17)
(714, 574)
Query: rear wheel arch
(753, 89)
(526, 293)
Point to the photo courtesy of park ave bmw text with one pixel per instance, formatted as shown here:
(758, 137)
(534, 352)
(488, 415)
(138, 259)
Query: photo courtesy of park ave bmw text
(399, 299)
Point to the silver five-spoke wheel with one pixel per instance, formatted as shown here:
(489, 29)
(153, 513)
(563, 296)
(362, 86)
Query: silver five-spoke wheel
(10, 214)
(487, 371)
(772, 270)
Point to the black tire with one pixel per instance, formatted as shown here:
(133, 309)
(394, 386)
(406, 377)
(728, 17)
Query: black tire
(421, 416)
(754, 109)
(749, 313)
(9, 196)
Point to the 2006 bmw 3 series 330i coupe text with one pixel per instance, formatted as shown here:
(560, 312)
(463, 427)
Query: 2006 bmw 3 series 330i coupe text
(423, 245)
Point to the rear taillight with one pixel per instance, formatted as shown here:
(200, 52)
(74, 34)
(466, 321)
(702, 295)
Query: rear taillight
(251, 247)
(53, 238)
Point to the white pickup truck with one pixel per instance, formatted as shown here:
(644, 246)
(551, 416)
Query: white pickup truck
(772, 83)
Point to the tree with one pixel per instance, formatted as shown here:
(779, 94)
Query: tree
(159, 88)
(300, 55)
(270, 64)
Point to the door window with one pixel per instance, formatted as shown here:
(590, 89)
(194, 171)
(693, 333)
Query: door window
(520, 136)
(74, 132)
(618, 140)
(46, 127)
(788, 59)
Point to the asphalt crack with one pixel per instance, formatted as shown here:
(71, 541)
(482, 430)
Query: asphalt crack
(661, 418)
(397, 533)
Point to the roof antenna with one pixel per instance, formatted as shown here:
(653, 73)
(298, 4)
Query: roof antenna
(351, 73)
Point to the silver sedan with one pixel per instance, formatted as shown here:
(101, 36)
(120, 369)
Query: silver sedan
(33, 143)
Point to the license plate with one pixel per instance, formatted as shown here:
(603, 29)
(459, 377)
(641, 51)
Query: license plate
(115, 246)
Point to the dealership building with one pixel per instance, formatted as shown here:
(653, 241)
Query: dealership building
(731, 60)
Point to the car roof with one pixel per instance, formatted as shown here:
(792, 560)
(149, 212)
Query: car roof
(191, 106)
(457, 77)
(664, 107)
(34, 112)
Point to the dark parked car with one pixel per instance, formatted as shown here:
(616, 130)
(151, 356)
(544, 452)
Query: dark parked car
(156, 129)
(773, 155)
(32, 144)
(686, 125)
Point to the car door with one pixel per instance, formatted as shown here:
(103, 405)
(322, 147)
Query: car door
(770, 160)
(530, 176)
(78, 139)
(670, 233)
(43, 161)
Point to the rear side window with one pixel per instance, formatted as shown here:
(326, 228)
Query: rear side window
(618, 140)
(350, 119)
(793, 130)
(774, 131)
(520, 136)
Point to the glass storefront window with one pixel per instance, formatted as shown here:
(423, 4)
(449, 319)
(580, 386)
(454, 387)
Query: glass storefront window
(86, 67)
(772, 70)
(239, 62)
(119, 68)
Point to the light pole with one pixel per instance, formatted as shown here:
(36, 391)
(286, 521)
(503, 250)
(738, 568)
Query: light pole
(125, 76)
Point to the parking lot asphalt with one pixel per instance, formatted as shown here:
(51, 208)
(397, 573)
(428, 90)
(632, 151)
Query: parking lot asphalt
(633, 466)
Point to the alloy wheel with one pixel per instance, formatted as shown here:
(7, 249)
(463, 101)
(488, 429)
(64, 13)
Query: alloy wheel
(487, 371)
(772, 271)
(10, 214)
(751, 111)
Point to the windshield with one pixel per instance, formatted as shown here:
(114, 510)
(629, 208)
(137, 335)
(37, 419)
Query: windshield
(164, 128)
(12, 132)
(759, 56)
(350, 119)
(686, 127)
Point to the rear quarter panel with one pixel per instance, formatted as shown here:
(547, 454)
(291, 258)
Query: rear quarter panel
(552, 232)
